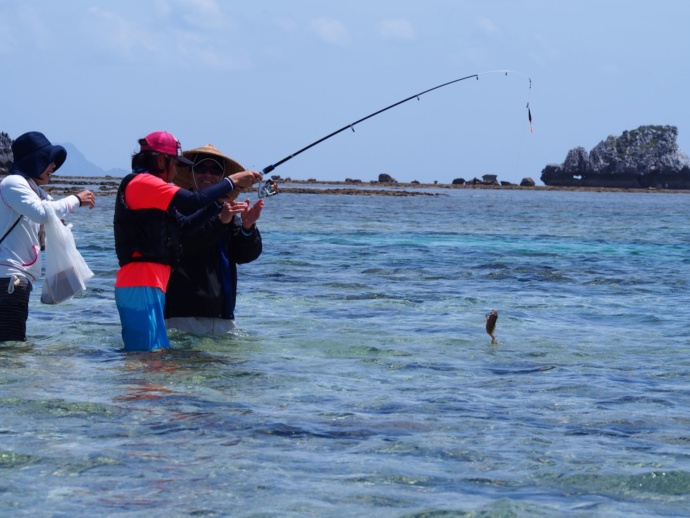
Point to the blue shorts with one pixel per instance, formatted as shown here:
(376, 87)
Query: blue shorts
(142, 317)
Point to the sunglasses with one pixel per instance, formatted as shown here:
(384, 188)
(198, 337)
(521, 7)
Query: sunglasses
(207, 170)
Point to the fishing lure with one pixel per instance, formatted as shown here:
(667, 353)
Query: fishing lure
(268, 188)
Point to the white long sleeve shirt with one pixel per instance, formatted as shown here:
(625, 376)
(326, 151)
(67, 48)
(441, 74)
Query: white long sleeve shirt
(20, 251)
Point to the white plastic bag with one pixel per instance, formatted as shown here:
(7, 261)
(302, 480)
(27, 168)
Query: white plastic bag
(66, 271)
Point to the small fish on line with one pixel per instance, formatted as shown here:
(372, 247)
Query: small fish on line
(491, 319)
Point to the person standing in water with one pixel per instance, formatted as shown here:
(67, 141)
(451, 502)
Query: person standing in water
(203, 288)
(148, 226)
(22, 214)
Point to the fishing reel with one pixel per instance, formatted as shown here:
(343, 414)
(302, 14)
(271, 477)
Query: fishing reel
(267, 189)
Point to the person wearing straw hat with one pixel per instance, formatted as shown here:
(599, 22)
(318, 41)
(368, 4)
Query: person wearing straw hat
(23, 210)
(203, 287)
(151, 217)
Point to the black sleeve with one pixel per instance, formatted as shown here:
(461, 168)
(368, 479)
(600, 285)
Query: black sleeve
(198, 220)
(189, 201)
(244, 248)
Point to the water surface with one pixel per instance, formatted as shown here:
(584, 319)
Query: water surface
(364, 383)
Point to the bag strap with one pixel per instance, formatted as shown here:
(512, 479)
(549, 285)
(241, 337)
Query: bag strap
(11, 229)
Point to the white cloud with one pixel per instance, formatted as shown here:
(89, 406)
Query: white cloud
(544, 53)
(397, 29)
(473, 55)
(31, 22)
(488, 27)
(163, 43)
(331, 31)
(287, 25)
(118, 33)
(203, 14)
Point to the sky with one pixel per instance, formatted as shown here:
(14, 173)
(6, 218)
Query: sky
(261, 80)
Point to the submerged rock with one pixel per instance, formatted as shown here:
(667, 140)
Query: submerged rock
(648, 156)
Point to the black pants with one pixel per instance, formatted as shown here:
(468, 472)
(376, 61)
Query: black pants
(14, 308)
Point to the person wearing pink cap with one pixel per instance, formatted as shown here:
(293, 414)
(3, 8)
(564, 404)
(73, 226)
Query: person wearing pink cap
(149, 226)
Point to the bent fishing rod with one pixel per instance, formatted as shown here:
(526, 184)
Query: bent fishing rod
(269, 188)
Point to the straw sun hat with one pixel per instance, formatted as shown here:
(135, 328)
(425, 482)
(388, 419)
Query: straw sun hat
(183, 178)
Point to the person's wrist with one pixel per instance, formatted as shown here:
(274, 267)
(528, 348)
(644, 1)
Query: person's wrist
(80, 202)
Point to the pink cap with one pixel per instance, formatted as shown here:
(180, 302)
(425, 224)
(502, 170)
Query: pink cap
(163, 142)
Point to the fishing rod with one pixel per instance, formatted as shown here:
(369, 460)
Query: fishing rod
(269, 188)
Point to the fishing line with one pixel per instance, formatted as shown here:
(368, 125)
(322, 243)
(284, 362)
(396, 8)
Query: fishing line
(269, 188)
(531, 129)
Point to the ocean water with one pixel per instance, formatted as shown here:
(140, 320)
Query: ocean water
(363, 382)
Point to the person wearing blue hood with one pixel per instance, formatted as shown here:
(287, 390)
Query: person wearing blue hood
(22, 212)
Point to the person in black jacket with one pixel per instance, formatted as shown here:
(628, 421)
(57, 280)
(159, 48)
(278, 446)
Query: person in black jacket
(202, 290)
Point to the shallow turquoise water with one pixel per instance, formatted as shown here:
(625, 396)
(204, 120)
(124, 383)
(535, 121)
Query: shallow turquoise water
(364, 383)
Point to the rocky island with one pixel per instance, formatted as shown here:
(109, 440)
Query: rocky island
(647, 157)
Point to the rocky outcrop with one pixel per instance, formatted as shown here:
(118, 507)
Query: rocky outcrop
(487, 179)
(6, 157)
(642, 158)
(386, 178)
